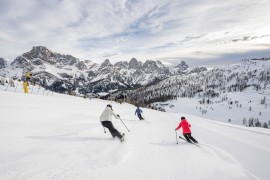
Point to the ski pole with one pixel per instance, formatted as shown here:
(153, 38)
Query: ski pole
(38, 89)
(123, 123)
(176, 137)
(7, 86)
(16, 87)
(32, 89)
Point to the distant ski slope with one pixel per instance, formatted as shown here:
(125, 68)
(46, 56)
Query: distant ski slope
(222, 111)
(60, 137)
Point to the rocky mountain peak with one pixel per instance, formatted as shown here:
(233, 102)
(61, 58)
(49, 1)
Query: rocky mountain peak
(182, 65)
(87, 61)
(106, 63)
(40, 52)
(150, 66)
(121, 64)
(134, 64)
(3, 63)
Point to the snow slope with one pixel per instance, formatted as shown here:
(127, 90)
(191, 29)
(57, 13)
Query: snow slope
(17, 87)
(60, 137)
(248, 106)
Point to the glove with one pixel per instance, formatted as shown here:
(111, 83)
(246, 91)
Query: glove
(118, 115)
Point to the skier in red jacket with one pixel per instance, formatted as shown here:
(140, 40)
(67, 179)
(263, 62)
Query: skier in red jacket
(186, 130)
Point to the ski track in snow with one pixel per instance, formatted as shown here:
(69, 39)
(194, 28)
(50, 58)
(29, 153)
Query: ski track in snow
(249, 146)
(56, 140)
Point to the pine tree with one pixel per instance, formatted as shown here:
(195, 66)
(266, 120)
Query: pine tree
(250, 122)
(265, 125)
(244, 121)
(263, 100)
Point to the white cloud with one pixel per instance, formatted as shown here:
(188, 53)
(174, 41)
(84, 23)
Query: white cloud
(122, 29)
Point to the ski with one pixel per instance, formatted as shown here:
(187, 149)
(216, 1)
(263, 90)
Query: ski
(196, 144)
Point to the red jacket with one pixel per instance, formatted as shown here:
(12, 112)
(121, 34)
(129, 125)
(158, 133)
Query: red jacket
(185, 126)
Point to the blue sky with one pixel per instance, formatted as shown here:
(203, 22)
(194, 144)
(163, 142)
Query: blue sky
(201, 32)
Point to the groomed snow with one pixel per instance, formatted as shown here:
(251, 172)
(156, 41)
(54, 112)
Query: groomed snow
(47, 137)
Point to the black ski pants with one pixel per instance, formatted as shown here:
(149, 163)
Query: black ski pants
(189, 137)
(140, 117)
(113, 131)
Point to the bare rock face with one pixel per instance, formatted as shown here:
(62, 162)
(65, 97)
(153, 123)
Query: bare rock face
(134, 64)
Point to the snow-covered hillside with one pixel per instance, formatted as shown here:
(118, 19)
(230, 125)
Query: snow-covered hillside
(212, 91)
(9, 85)
(207, 84)
(60, 137)
(234, 108)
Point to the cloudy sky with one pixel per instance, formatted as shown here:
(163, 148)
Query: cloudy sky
(201, 32)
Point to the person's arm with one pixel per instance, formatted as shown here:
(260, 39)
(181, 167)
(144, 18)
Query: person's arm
(179, 126)
(115, 115)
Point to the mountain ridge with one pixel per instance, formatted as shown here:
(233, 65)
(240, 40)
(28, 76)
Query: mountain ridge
(205, 85)
(65, 73)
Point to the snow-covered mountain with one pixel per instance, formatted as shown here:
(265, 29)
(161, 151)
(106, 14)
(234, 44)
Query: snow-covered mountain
(206, 84)
(5, 68)
(62, 73)
(222, 91)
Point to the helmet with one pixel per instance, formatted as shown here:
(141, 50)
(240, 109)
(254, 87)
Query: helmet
(183, 118)
(109, 105)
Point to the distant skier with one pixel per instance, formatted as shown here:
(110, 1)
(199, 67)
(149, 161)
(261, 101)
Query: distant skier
(139, 113)
(28, 76)
(186, 130)
(105, 119)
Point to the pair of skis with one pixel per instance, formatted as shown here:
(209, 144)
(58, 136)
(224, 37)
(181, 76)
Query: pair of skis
(196, 144)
